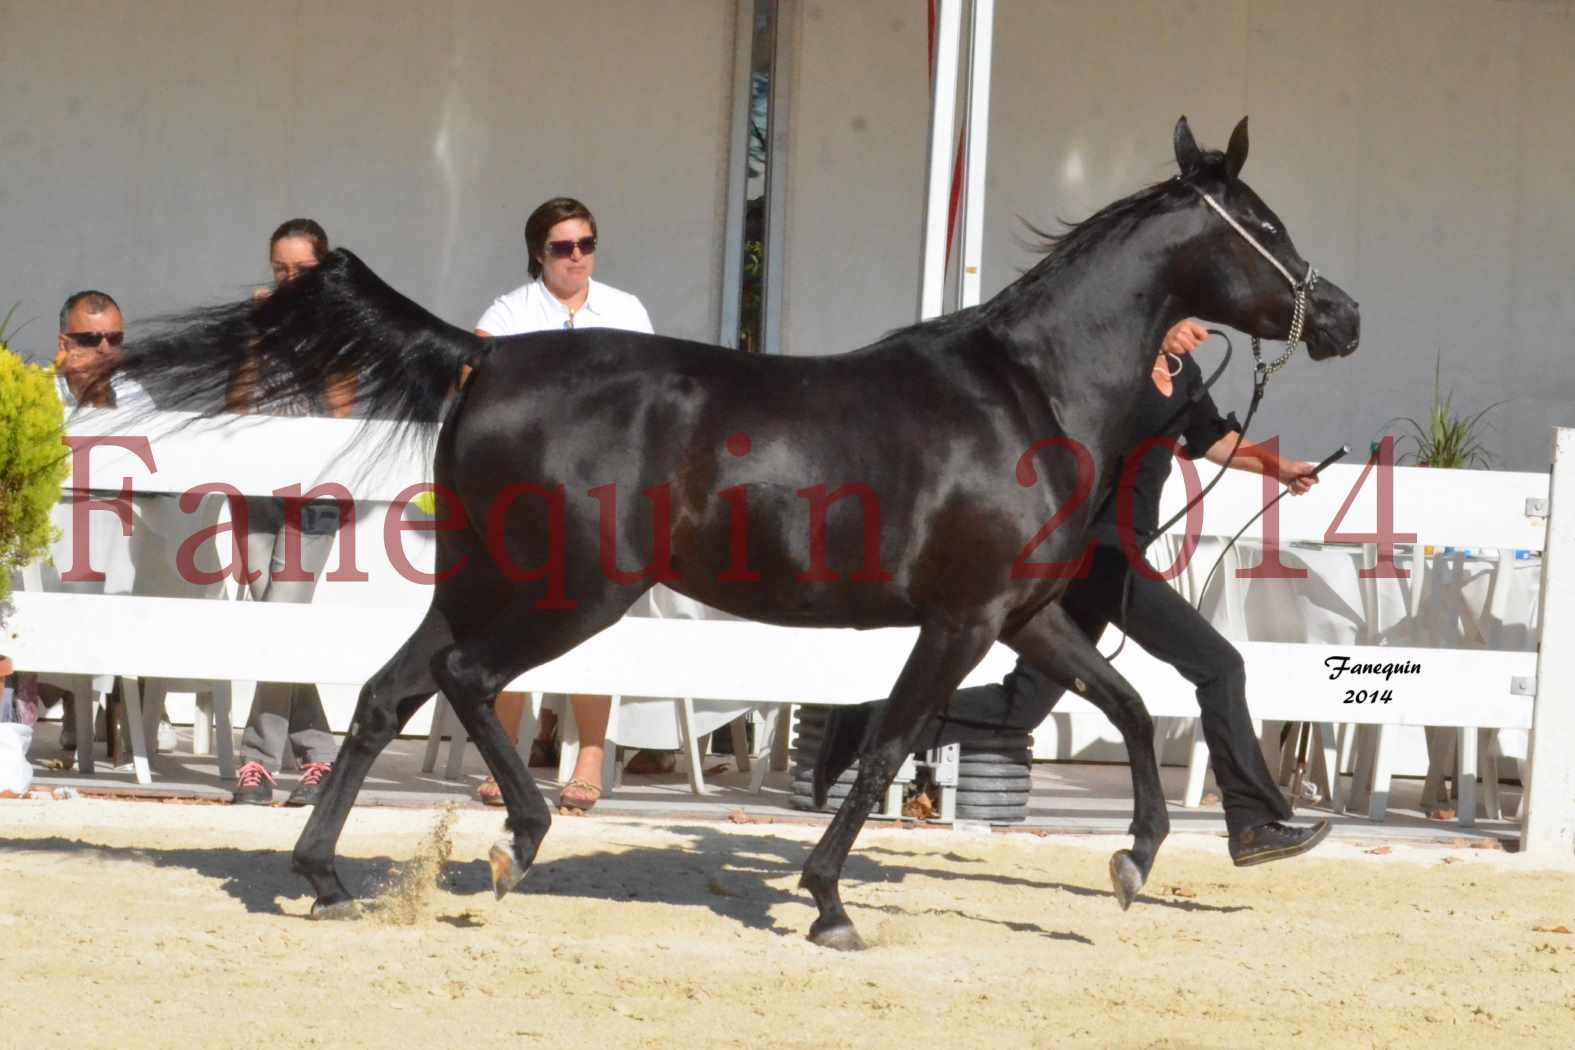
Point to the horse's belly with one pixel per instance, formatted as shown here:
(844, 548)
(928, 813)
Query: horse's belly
(791, 602)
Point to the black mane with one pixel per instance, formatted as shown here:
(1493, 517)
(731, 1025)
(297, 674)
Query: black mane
(1076, 239)
(1064, 249)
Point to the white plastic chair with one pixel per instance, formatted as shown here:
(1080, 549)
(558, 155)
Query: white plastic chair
(691, 743)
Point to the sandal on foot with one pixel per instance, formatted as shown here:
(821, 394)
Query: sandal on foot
(578, 796)
(489, 794)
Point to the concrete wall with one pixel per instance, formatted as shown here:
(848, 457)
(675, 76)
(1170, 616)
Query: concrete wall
(1419, 152)
(149, 147)
(855, 170)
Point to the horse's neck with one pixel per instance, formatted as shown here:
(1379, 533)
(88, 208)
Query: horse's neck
(1090, 340)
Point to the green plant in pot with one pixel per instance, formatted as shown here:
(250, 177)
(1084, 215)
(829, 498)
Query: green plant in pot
(32, 460)
(1449, 439)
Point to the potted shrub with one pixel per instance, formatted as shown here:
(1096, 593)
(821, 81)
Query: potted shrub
(32, 461)
(1449, 439)
(32, 466)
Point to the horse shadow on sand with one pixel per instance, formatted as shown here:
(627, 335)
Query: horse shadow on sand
(735, 877)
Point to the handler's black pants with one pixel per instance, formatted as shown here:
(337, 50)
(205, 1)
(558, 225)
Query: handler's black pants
(1161, 621)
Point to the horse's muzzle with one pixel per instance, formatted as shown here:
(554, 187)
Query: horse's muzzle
(1334, 324)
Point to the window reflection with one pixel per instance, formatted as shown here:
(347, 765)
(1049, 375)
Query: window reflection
(757, 184)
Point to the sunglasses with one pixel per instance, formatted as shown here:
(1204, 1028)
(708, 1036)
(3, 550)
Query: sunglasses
(88, 340)
(565, 249)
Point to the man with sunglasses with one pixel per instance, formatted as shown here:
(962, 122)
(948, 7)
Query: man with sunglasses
(91, 331)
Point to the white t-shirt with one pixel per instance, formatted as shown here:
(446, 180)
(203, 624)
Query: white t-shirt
(128, 393)
(532, 308)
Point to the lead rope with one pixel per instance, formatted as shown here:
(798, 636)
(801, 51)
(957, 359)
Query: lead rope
(942, 718)
(1260, 383)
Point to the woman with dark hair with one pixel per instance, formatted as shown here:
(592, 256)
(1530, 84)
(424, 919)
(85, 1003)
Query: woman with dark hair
(298, 244)
(287, 714)
(560, 239)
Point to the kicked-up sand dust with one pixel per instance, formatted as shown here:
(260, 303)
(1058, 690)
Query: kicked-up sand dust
(411, 892)
(142, 925)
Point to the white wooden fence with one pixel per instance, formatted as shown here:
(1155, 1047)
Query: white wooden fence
(351, 628)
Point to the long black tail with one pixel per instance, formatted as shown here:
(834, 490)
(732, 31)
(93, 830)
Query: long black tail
(334, 322)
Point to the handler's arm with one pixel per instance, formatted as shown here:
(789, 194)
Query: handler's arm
(1259, 459)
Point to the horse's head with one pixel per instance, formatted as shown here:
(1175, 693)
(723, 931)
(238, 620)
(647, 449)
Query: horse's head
(1242, 269)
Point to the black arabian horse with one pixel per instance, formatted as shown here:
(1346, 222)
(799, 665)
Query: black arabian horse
(728, 475)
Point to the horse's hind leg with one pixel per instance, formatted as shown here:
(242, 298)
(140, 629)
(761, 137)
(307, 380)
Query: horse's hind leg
(471, 674)
(937, 665)
(1053, 643)
(386, 703)
(529, 816)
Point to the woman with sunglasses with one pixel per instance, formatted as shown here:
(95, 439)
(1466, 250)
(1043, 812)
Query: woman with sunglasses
(560, 239)
(287, 714)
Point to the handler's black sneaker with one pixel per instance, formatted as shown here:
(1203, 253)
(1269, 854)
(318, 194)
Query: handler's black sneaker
(310, 788)
(1274, 841)
(253, 786)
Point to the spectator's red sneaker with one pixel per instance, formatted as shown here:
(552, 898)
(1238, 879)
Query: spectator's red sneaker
(253, 786)
(310, 789)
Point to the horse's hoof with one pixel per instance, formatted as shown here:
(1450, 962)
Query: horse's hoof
(842, 937)
(1126, 877)
(349, 908)
(507, 868)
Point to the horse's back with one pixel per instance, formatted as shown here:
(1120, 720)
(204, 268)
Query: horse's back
(616, 383)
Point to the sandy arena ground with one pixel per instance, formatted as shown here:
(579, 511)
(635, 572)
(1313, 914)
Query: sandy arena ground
(137, 924)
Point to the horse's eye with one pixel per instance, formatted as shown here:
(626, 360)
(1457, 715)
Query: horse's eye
(1269, 228)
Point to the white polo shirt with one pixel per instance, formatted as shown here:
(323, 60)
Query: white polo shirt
(532, 308)
(128, 393)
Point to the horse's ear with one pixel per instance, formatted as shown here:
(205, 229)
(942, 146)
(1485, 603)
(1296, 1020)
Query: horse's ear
(1236, 152)
(1188, 156)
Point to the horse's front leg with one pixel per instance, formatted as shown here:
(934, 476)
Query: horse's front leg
(937, 665)
(1054, 644)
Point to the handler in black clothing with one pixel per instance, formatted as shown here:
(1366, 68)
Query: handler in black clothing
(1159, 619)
